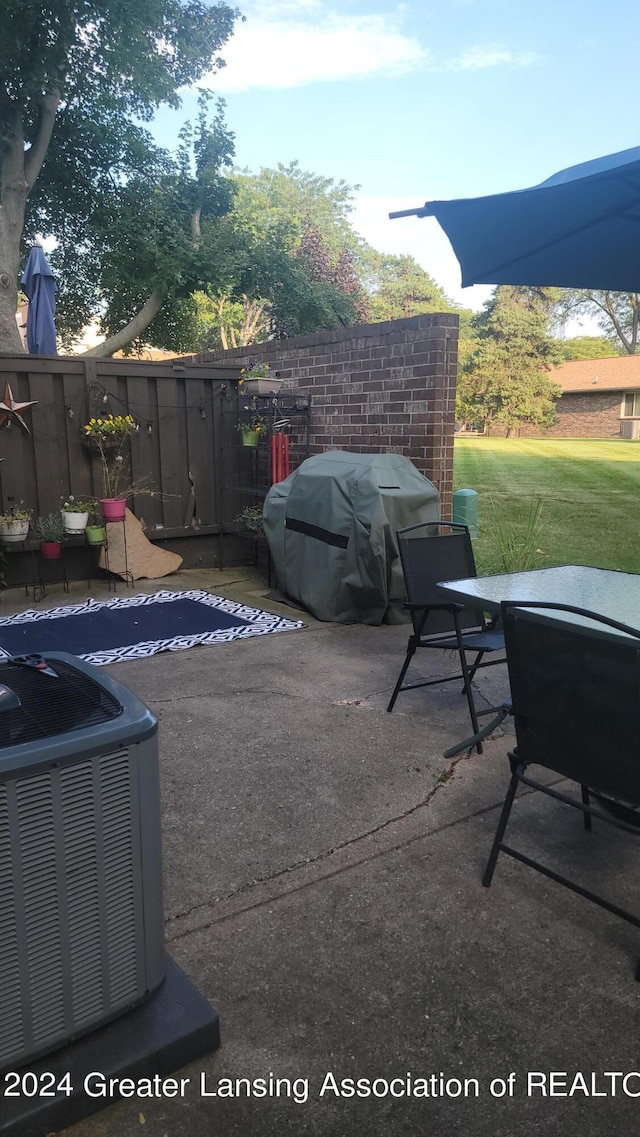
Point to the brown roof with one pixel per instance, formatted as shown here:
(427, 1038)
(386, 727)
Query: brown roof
(612, 373)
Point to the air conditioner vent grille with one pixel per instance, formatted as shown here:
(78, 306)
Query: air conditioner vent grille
(53, 706)
(71, 937)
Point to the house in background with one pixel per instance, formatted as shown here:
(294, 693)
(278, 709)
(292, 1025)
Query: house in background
(600, 398)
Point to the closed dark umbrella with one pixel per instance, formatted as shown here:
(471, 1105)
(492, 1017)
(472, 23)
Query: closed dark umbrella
(38, 284)
(578, 229)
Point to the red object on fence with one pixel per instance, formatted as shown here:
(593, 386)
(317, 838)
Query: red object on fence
(280, 466)
(274, 459)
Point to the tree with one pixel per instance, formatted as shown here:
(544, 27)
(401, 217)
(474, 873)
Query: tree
(78, 78)
(158, 239)
(289, 260)
(221, 322)
(399, 287)
(505, 378)
(617, 313)
(588, 347)
(300, 266)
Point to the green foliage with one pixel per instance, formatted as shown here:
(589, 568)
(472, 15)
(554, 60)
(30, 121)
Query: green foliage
(119, 207)
(287, 262)
(504, 379)
(399, 287)
(50, 527)
(296, 265)
(251, 519)
(589, 347)
(155, 231)
(514, 542)
(16, 513)
(617, 313)
(126, 57)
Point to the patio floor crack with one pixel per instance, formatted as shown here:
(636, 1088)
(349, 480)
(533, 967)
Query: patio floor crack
(226, 901)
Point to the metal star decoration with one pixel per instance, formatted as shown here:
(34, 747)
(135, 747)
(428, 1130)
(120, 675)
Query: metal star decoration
(10, 409)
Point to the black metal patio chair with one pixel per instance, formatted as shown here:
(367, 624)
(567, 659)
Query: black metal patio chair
(575, 698)
(431, 552)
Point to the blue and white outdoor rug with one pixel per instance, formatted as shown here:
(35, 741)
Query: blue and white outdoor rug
(132, 627)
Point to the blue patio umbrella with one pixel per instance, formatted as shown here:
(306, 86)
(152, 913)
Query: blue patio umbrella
(39, 286)
(578, 229)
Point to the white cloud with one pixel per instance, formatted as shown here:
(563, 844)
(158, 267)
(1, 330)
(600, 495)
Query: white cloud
(292, 43)
(420, 237)
(274, 53)
(478, 58)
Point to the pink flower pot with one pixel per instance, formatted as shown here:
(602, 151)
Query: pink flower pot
(113, 508)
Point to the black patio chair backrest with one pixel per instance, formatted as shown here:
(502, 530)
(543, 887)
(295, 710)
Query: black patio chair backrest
(431, 552)
(575, 691)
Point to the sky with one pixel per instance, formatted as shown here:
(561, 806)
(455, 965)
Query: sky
(424, 100)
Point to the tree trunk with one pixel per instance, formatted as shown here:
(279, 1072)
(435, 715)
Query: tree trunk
(131, 331)
(13, 198)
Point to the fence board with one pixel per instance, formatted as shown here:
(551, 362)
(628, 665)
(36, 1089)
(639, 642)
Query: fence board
(172, 507)
(167, 395)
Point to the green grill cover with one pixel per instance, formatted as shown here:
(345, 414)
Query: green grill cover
(331, 527)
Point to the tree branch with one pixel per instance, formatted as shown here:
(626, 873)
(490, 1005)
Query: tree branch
(611, 313)
(35, 156)
(133, 329)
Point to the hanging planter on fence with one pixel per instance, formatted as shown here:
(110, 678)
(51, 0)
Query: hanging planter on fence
(259, 379)
(249, 437)
(262, 386)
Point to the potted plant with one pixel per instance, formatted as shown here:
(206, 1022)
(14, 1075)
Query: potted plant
(251, 519)
(259, 379)
(251, 429)
(75, 514)
(95, 531)
(108, 436)
(50, 530)
(14, 524)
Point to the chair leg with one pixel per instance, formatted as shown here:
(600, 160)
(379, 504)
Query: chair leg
(475, 664)
(466, 690)
(584, 790)
(502, 825)
(411, 650)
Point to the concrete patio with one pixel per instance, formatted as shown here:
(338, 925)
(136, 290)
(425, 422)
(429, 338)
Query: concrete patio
(322, 877)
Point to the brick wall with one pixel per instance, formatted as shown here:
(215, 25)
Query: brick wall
(375, 388)
(580, 415)
(589, 416)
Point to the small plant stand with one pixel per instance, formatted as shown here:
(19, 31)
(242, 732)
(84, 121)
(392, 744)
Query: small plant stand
(45, 573)
(124, 573)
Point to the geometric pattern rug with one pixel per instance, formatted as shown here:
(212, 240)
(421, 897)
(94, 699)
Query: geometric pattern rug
(133, 627)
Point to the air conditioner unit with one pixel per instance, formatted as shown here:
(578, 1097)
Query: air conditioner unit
(81, 913)
(630, 428)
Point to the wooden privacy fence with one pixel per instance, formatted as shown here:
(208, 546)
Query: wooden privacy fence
(185, 448)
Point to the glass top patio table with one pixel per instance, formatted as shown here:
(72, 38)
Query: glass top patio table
(606, 592)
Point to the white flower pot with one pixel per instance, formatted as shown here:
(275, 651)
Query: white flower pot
(262, 386)
(74, 522)
(13, 531)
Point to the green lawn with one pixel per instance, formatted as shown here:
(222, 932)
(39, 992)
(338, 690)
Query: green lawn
(589, 489)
